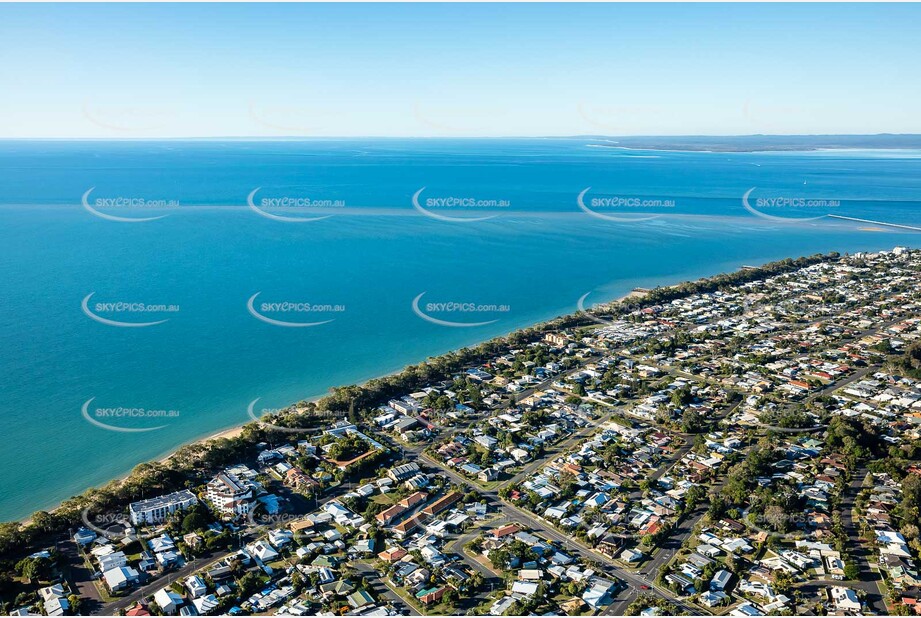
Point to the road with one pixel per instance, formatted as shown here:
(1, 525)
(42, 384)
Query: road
(667, 550)
(383, 590)
(492, 580)
(112, 609)
(79, 576)
(557, 449)
(513, 513)
(456, 546)
(642, 580)
(869, 579)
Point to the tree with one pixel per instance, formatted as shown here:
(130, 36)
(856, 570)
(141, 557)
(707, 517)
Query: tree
(783, 582)
(75, 603)
(851, 571)
(11, 536)
(249, 584)
(35, 569)
(194, 521)
(911, 498)
(910, 362)
(475, 581)
(717, 507)
(297, 581)
(694, 495)
(776, 517)
(44, 521)
(691, 421)
(682, 396)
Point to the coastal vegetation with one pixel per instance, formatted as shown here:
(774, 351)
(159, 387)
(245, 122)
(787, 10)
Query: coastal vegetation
(193, 464)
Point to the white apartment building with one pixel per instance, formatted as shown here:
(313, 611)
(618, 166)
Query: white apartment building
(156, 510)
(229, 495)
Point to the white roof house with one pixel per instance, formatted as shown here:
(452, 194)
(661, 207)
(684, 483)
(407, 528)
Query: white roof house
(720, 580)
(56, 606)
(844, 599)
(262, 550)
(156, 510)
(168, 600)
(112, 560)
(120, 577)
(195, 586)
(525, 588)
(205, 605)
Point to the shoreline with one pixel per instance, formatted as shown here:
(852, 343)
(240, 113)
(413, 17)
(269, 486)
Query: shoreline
(237, 430)
(234, 431)
(559, 320)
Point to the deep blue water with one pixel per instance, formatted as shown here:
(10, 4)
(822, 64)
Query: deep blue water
(210, 254)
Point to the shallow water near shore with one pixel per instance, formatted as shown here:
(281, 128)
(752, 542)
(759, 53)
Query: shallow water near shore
(359, 270)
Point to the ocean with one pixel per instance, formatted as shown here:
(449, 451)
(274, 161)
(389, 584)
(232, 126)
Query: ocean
(121, 338)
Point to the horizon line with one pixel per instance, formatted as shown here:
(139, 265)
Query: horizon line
(460, 137)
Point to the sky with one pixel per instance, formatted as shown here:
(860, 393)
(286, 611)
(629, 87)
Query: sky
(459, 70)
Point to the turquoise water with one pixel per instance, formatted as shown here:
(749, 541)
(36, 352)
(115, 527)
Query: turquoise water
(209, 255)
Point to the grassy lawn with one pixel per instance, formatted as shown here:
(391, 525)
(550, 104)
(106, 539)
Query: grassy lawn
(633, 565)
(342, 530)
(484, 561)
(403, 594)
(441, 609)
(280, 564)
(385, 499)
(490, 486)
